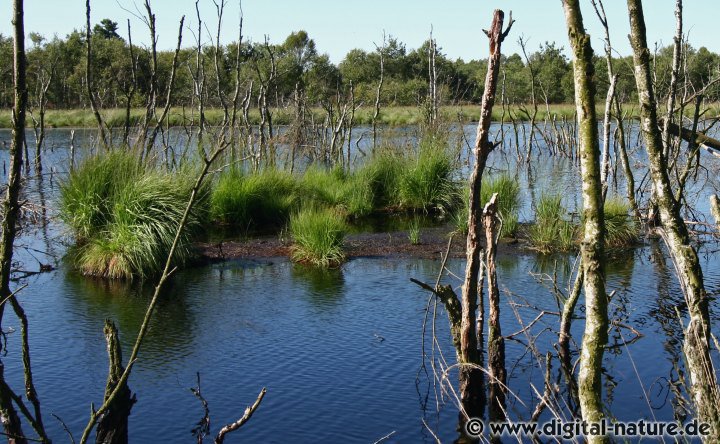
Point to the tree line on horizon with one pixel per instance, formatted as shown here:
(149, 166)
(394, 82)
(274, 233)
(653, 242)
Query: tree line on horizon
(296, 68)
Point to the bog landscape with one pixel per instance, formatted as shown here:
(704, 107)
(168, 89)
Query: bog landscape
(244, 241)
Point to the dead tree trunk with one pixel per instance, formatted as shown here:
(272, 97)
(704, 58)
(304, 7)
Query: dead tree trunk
(496, 342)
(131, 90)
(715, 209)
(471, 377)
(592, 247)
(566, 318)
(112, 426)
(432, 86)
(622, 148)
(44, 79)
(151, 106)
(11, 208)
(378, 91)
(703, 382)
(89, 81)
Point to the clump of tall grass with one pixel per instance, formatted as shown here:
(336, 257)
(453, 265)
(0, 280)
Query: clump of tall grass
(88, 194)
(426, 183)
(318, 235)
(621, 230)
(124, 214)
(508, 189)
(259, 201)
(414, 232)
(382, 174)
(552, 230)
(350, 193)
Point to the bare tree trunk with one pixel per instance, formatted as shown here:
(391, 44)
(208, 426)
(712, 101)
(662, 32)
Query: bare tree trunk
(496, 342)
(622, 148)
(533, 98)
(672, 93)
(715, 209)
(89, 83)
(199, 78)
(350, 123)
(220, 6)
(131, 91)
(11, 208)
(696, 347)
(432, 76)
(44, 79)
(471, 377)
(592, 247)
(566, 318)
(376, 114)
(605, 162)
(112, 426)
(151, 111)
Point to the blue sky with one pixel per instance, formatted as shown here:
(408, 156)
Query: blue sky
(338, 26)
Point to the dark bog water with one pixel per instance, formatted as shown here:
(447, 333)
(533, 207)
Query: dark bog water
(340, 351)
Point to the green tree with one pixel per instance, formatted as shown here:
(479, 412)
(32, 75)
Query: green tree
(554, 76)
(106, 29)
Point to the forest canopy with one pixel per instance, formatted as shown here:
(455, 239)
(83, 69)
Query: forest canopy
(301, 66)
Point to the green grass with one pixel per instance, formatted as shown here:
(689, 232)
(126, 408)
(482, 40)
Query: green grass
(389, 181)
(389, 115)
(621, 230)
(87, 196)
(124, 215)
(349, 193)
(258, 201)
(552, 231)
(426, 182)
(414, 232)
(382, 174)
(508, 190)
(318, 236)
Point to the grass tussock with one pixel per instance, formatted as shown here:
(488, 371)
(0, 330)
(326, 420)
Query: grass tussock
(621, 230)
(426, 183)
(88, 195)
(382, 173)
(508, 189)
(257, 201)
(318, 235)
(124, 215)
(552, 230)
(389, 181)
(349, 193)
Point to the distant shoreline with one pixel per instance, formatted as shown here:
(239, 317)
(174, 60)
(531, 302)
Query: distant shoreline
(389, 116)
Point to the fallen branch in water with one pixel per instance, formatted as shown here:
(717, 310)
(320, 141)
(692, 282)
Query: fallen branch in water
(249, 410)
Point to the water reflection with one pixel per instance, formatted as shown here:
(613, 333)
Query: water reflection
(325, 286)
(339, 349)
(126, 304)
